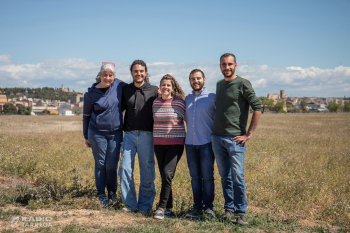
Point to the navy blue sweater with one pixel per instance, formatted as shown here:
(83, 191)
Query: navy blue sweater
(103, 112)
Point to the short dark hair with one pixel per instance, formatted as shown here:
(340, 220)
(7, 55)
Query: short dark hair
(141, 63)
(195, 71)
(227, 55)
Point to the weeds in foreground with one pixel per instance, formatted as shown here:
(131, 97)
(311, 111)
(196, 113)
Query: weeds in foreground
(296, 167)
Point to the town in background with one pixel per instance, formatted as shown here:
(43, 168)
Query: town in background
(62, 101)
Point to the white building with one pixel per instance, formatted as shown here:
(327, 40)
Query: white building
(66, 106)
(65, 112)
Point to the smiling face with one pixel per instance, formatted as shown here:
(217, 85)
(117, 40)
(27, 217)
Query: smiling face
(197, 81)
(107, 78)
(138, 74)
(166, 88)
(228, 67)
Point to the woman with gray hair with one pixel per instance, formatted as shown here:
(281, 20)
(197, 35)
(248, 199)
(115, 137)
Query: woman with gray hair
(102, 128)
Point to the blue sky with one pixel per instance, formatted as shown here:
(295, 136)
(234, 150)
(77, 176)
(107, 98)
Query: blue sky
(299, 46)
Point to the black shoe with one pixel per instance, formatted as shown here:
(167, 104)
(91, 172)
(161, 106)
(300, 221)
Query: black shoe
(193, 214)
(112, 198)
(241, 220)
(229, 215)
(168, 213)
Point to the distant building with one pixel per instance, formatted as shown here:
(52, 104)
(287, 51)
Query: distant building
(38, 110)
(80, 107)
(76, 98)
(41, 103)
(273, 96)
(20, 103)
(292, 100)
(50, 111)
(3, 98)
(58, 102)
(340, 101)
(282, 95)
(64, 89)
(66, 107)
(65, 112)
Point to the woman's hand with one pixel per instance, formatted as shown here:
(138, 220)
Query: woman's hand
(87, 143)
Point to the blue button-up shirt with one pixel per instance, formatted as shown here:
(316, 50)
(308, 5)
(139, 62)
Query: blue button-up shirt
(200, 112)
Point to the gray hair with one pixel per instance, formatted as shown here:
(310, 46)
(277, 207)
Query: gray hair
(105, 67)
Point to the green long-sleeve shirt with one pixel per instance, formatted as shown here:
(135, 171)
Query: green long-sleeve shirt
(232, 106)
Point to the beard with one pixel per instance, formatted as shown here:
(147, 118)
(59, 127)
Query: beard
(137, 80)
(199, 88)
(229, 74)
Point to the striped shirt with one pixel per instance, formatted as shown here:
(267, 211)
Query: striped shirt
(169, 115)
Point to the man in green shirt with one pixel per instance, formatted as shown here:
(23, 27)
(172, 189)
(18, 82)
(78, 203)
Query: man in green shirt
(234, 95)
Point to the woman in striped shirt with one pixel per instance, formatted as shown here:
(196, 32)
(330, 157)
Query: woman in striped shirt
(169, 137)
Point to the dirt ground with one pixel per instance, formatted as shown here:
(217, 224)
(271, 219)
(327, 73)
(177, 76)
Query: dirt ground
(94, 219)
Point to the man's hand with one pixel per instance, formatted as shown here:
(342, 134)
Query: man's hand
(253, 124)
(87, 143)
(159, 92)
(241, 139)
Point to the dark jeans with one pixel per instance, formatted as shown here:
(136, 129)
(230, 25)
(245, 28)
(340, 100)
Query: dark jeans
(168, 157)
(200, 160)
(105, 148)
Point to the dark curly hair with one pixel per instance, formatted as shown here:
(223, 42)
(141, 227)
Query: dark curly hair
(141, 63)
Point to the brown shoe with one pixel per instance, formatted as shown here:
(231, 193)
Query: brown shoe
(229, 215)
(241, 220)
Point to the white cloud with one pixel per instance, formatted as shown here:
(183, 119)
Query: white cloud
(78, 74)
(259, 83)
(5, 59)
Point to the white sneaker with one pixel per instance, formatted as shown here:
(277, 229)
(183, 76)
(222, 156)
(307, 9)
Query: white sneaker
(126, 210)
(159, 214)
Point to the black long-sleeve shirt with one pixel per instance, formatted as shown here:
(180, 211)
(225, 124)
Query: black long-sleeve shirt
(138, 105)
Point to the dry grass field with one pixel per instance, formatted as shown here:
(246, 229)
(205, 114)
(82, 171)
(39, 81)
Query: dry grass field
(297, 175)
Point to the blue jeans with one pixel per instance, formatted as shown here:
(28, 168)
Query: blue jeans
(230, 160)
(200, 160)
(142, 143)
(105, 149)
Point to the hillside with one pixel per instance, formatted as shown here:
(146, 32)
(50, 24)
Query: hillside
(41, 93)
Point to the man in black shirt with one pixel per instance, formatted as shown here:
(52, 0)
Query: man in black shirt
(137, 101)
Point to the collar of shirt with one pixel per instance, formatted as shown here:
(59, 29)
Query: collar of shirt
(203, 91)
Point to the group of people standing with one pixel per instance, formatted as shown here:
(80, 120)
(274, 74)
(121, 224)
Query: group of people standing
(154, 123)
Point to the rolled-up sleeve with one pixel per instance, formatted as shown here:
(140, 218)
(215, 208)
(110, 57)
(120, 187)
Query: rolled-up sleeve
(249, 95)
(86, 114)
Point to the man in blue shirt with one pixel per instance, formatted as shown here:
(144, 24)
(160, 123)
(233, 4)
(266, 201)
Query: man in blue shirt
(200, 112)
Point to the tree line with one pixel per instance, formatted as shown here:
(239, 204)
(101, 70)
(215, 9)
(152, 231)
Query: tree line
(10, 109)
(40, 93)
